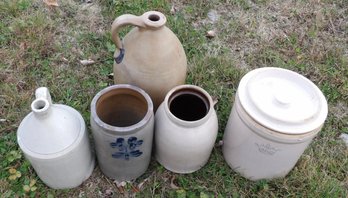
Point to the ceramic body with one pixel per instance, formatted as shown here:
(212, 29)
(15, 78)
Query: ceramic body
(150, 57)
(259, 152)
(122, 123)
(186, 129)
(54, 139)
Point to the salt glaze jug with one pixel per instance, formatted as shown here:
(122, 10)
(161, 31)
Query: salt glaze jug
(54, 140)
(150, 57)
(122, 122)
(186, 127)
(275, 116)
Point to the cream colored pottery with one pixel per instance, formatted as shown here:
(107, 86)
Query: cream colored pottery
(150, 56)
(275, 116)
(122, 123)
(54, 139)
(186, 129)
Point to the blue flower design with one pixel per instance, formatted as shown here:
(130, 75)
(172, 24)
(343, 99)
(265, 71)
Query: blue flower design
(126, 150)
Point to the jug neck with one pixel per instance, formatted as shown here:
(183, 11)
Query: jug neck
(154, 20)
(41, 106)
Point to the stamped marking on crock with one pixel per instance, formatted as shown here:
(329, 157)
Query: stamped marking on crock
(267, 149)
(126, 149)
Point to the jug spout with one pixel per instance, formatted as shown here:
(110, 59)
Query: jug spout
(42, 104)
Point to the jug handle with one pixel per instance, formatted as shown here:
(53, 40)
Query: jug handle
(150, 19)
(119, 22)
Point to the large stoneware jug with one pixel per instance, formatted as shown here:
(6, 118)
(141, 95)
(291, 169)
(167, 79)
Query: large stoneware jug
(122, 122)
(185, 129)
(150, 57)
(54, 139)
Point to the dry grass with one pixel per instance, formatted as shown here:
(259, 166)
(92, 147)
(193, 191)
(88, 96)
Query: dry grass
(42, 46)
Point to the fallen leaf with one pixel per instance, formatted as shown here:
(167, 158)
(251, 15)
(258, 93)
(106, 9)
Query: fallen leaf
(26, 188)
(203, 195)
(32, 182)
(12, 171)
(111, 75)
(65, 59)
(135, 189)
(18, 174)
(213, 16)
(82, 194)
(120, 184)
(23, 46)
(215, 101)
(173, 10)
(141, 184)
(344, 137)
(220, 143)
(108, 192)
(51, 2)
(180, 193)
(87, 62)
(12, 177)
(172, 185)
(210, 34)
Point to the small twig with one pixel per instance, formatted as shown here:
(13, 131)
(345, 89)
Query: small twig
(114, 185)
(332, 25)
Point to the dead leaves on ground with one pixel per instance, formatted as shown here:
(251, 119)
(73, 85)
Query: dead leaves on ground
(51, 3)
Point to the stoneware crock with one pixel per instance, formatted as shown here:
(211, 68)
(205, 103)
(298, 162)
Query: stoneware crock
(276, 114)
(122, 123)
(186, 129)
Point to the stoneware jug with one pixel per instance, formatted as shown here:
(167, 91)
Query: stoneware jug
(54, 140)
(150, 57)
(185, 129)
(276, 114)
(122, 123)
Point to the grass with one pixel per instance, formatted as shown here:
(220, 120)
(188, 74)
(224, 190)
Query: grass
(42, 46)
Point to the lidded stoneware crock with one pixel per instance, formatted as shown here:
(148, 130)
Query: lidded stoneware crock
(150, 56)
(54, 140)
(185, 129)
(276, 114)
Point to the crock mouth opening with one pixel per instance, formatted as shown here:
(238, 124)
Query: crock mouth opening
(189, 104)
(122, 107)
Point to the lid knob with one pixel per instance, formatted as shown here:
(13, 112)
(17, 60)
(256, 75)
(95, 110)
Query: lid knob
(282, 98)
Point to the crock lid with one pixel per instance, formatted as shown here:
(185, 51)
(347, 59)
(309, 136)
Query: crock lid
(49, 128)
(282, 100)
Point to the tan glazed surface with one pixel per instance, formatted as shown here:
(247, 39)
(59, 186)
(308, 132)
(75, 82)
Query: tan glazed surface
(154, 58)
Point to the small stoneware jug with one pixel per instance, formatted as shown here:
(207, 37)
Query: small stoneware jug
(150, 57)
(122, 123)
(54, 140)
(186, 129)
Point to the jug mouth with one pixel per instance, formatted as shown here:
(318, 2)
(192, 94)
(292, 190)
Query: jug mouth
(188, 104)
(121, 108)
(154, 19)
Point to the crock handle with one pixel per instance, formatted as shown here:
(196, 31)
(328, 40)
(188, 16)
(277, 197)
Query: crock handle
(119, 22)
